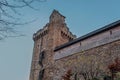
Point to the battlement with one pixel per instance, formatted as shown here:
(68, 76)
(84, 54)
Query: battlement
(40, 33)
(68, 35)
(59, 19)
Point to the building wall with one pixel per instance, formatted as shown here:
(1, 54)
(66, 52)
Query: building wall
(46, 39)
(104, 46)
(91, 42)
(105, 53)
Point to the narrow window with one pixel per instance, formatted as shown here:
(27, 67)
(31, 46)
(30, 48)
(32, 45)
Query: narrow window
(41, 57)
(41, 74)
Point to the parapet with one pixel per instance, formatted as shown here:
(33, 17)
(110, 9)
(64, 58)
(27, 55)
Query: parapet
(40, 33)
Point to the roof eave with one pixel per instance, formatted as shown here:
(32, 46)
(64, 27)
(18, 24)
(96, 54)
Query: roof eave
(107, 27)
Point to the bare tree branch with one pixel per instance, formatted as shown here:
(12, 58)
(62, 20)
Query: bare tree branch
(8, 21)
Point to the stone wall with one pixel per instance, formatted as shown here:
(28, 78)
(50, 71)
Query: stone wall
(92, 42)
(104, 54)
(46, 39)
(103, 48)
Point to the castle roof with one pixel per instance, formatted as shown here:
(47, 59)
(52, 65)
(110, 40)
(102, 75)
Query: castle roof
(100, 30)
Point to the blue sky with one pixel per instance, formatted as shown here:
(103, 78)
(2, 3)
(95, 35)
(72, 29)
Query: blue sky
(82, 16)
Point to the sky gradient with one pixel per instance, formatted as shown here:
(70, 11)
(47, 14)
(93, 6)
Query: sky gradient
(82, 17)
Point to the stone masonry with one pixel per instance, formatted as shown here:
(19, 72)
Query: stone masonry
(103, 47)
(54, 33)
(57, 50)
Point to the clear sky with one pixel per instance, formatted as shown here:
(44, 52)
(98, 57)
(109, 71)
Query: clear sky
(82, 16)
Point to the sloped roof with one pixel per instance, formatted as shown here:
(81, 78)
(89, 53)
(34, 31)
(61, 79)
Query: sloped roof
(100, 30)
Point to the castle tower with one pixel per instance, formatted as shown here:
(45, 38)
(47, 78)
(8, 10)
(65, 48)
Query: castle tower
(53, 34)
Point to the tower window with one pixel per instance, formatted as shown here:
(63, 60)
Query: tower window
(41, 74)
(41, 57)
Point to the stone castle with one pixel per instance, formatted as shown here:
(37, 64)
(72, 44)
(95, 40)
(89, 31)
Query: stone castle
(57, 50)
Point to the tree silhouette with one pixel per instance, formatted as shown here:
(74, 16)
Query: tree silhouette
(8, 10)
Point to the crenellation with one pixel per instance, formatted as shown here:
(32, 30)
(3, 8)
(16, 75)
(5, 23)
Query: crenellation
(40, 34)
(68, 35)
